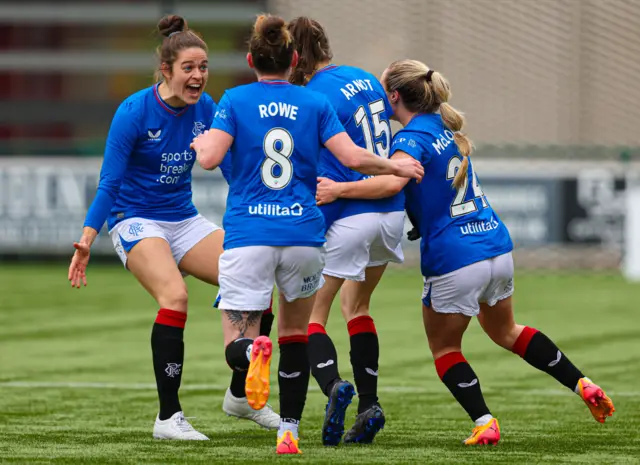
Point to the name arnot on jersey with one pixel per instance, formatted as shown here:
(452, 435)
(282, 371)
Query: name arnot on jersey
(363, 108)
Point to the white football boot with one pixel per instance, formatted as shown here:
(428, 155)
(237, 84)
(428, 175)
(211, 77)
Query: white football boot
(176, 427)
(239, 407)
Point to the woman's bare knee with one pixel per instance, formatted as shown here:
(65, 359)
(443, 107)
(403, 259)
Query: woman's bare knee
(153, 265)
(293, 317)
(174, 297)
(320, 312)
(350, 312)
(444, 350)
(499, 324)
(507, 337)
(355, 298)
(324, 299)
(444, 330)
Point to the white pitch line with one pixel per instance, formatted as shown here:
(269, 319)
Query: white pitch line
(220, 387)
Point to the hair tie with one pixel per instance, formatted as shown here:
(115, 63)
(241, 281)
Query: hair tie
(429, 74)
(174, 32)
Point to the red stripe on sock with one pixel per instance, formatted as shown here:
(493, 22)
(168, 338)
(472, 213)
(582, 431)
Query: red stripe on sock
(316, 328)
(293, 339)
(270, 309)
(361, 324)
(521, 344)
(447, 361)
(171, 318)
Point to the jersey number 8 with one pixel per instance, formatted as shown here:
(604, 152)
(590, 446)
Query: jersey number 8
(278, 147)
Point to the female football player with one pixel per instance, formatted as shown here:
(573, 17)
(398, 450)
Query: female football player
(274, 230)
(363, 236)
(145, 196)
(465, 250)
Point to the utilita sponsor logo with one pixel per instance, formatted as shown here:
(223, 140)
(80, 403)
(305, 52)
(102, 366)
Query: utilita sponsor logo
(267, 209)
(476, 227)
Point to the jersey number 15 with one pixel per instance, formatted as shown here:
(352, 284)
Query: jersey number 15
(380, 127)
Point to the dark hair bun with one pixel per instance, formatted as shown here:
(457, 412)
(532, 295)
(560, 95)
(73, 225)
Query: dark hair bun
(170, 24)
(273, 29)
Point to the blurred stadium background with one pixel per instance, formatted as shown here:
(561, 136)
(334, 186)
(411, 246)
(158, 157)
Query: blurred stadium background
(550, 89)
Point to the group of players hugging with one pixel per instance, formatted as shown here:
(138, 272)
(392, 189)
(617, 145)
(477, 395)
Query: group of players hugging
(318, 190)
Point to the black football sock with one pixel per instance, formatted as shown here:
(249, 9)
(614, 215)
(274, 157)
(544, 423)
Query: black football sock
(167, 347)
(540, 352)
(364, 353)
(293, 377)
(267, 320)
(323, 358)
(238, 379)
(459, 377)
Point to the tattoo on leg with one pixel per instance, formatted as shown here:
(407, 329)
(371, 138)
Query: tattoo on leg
(253, 318)
(243, 320)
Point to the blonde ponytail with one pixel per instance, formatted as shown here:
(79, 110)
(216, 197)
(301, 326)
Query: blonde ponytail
(454, 121)
(426, 91)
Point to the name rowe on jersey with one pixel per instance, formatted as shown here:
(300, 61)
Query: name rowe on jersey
(277, 156)
(272, 109)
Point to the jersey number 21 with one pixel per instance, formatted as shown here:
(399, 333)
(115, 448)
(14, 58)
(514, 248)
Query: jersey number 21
(459, 207)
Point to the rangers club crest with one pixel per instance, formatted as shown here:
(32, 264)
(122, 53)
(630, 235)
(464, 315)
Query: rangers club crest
(173, 369)
(198, 128)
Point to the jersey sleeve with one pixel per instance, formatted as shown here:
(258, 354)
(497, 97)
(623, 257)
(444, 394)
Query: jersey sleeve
(120, 144)
(210, 115)
(412, 144)
(225, 166)
(330, 125)
(224, 118)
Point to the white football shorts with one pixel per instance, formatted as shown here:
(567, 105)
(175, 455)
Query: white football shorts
(180, 235)
(462, 291)
(247, 275)
(358, 242)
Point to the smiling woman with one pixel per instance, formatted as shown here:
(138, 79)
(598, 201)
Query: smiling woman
(183, 62)
(145, 196)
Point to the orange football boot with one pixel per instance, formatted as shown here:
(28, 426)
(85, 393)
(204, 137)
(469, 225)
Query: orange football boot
(287, 444)
(598, 402)
(485, 434)
(257, 385)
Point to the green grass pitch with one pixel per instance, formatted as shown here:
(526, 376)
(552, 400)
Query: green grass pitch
(76, 382)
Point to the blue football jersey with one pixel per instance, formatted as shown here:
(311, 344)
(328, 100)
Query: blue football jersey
(225, 168)
(278, 131)
(363, 109)
(458, 226)
(146, 170)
